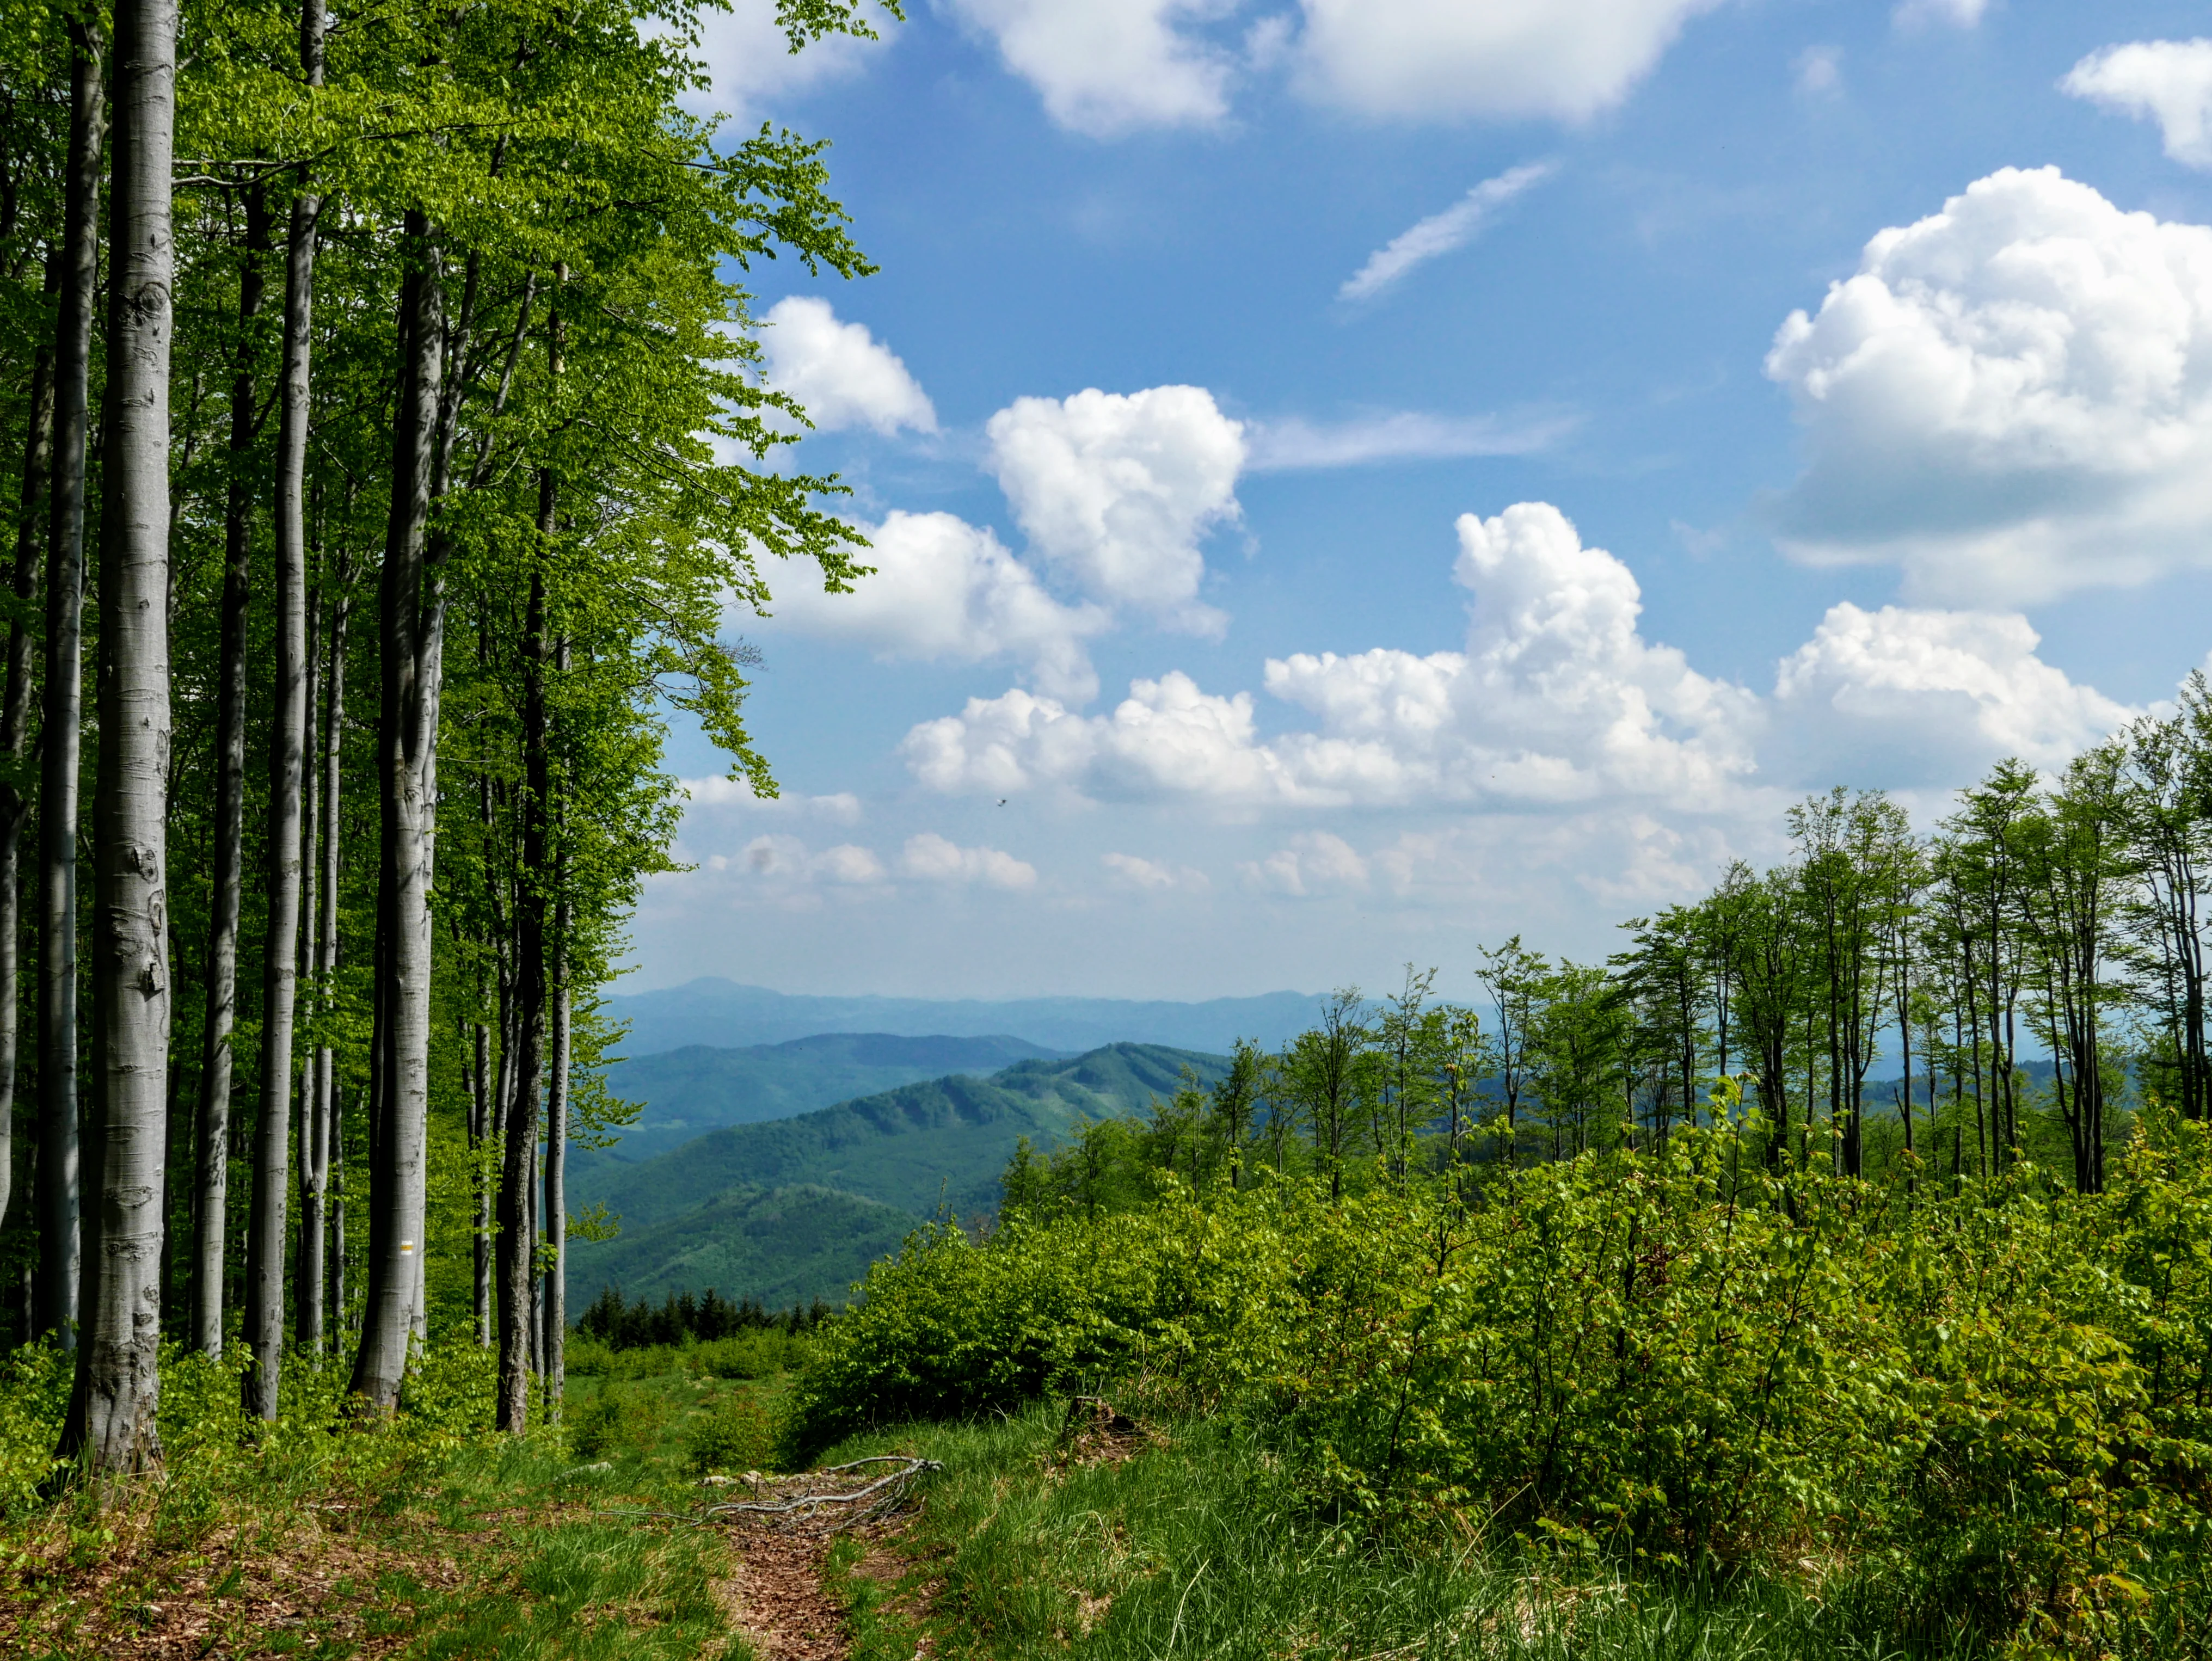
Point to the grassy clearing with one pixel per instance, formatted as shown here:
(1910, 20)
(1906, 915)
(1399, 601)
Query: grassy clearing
(1196, 1545)
(429, 1538)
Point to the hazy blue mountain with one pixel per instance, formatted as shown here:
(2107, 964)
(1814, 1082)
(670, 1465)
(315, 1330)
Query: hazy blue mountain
(727, 1015)
(799, 1207)
(687, 1092)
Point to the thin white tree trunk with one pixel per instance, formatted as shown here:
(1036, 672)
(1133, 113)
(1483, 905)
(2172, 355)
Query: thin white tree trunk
(15, 725)
(60, 1232)
(220, 1016)
(111, 1409)
(288, 755)
(410, 619)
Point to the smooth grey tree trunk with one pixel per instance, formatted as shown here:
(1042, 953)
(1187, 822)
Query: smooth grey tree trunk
(553, 1344)
(111, 1421)
(411, 618)
(288, 756)
(329, 1104)
(313, 1158)
(479, 1132)
(60, 1232)
(518, 1317)
(291, 483)
(15, 723)
(220, 1019)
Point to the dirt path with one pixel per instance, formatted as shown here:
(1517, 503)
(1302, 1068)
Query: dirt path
(775, 1597)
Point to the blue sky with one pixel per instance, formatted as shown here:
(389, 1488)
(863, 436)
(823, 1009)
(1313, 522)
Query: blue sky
(1356, 479)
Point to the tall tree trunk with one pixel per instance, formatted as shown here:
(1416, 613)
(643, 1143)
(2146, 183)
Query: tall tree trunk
(111, 1420)
(222, 985)
(59, 1230)
(16, 724)
(329, 1106)
(479, 1132)
(555, 1343)
(517, 1242)
(288, 754)
(411, 618)
(291, 464)
(315, 1146)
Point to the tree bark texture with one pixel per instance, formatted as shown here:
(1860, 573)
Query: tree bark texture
(222, 983)
(517, 1239)
(288, 754)
(15, 723)
(408, 621)
(314, 1157)
(553, 1345)
(329, 1104)
(112, 1408)
(59, 1234)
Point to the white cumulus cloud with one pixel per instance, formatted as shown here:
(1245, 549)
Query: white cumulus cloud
(945, 590)
(1451, 59)
(720, 791)
(1932, 697)
(788, 860)
(2012, 398)
(840, 373)
(1558, 698)
(1441, 234)
(1961, 14)
(750, 65)
(1152, 875)
(1104, 66)
(934, 859)
(1296, 445)
(2168, 81)
(1315, 862)
(1116, 491)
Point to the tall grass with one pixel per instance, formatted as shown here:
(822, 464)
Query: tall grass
(1203, 1547)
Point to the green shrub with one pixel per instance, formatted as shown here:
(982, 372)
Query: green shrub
(617, 1421)
(757, 1355)
(734, 1435)
(1670, 1356)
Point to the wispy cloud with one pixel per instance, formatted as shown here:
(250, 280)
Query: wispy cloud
(1440, 233)
(1280, 446)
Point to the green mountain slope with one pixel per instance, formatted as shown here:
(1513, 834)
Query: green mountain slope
(716, 1011)
(688, 1092)
(798, 1206)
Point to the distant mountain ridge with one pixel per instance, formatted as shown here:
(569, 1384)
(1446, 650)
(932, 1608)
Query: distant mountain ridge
(728, 1016)
(797, 1207)
(688, 1092)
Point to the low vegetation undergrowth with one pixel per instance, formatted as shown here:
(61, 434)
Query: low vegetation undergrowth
(428, 1537)
(1201, 1542)
(1973, 1414)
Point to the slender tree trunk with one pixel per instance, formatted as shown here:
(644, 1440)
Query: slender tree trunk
(16, 724)
(329, 1108)
(288, 756)
(479, 1132)
(111, 1420)
(409, 622)
(555, 1343)
(517, 1319)
(314, 1143)
(222, 984)
(59, 1230)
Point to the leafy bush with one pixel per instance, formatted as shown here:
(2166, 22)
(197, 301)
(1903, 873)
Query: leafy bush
(616, 1420)
(1683, 1356)
(734, 1435)
(761, 1354)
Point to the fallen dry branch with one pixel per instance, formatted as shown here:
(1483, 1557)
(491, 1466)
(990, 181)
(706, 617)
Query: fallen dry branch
(816, 1509)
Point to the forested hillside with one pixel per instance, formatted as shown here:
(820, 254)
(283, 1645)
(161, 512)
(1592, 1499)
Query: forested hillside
(722, 1013)
(682, 1093)
(797, 1209)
